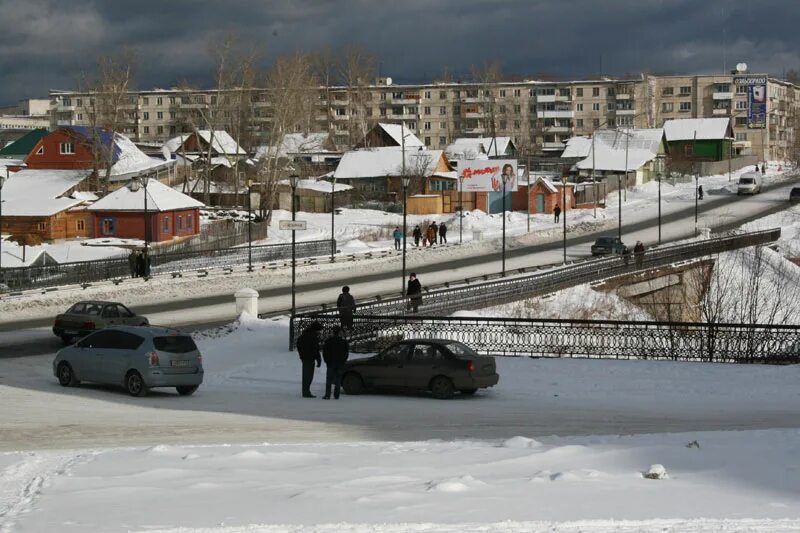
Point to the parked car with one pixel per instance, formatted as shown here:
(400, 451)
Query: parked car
(438, 365)
(608, 245)
(749, 183)
(85, 317)
(138, 358)
(794, 195)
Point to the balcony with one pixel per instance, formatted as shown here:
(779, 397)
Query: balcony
(400, 101)
(65, 122)
(471, 131)
(722, 96)
(555, 114)
(472, 99)
(553, 146)
(626, 111)
(65, 108)
(561, 98)
(406, 116)
(557, 129)
(624, 96)
(724, 111)
(545, 98)
(194, 105)
(473, 114)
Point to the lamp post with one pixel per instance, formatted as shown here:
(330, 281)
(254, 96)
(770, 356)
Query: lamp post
(406, 180)
(696, 197)
(2, 182)
(659, 168)
(333, 222)
(460, 208)
(145, 180)
(249, 226)
(564, 212)
(504, 225)
(294, 179)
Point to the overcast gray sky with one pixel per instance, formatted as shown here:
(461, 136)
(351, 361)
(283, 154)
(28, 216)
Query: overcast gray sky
(45, 44)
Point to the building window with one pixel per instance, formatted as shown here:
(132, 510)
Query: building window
(427, 126)
(741, 89)
(108, 226)
(426, 110)
(595, 107)
(442, 95)
(596, 123)
(442, 141)
(688, 150)
(741, 104)
(427, 94)
(427, 141)
(667, 91)
(146, 116)
(443, 110)
(579, 107)
(516, 124)
(443, 125)
(80, 116)
(179, 223)
(563, 92)
(741, 121)
(686, 106)
(160, 129)
(165, 225)
(502, 124)
(41, 226)
(741, 136)
(159, 101)
(517, 92)
(189, 223)
(146, 101)
(78, 102)
(686, 90)
(66, 148)
(611, 106)
(172, 99)
(80, 225)
(502, 93)
(160, 115)
(667, 107)
(579, 122)
(517, 109)
(595, 91)
(172, 115)
(146, 129)
(40, 151)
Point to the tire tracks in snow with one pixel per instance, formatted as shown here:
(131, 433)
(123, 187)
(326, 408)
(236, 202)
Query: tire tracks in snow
(22, 483)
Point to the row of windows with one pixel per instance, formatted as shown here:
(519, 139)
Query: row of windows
(108, 226)
(669, 107)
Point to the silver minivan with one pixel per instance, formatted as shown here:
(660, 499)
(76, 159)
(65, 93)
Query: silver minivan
(138, 358)
(749, 183)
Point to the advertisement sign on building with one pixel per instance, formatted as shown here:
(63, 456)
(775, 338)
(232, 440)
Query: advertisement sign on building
(488, 175)
(756, 99)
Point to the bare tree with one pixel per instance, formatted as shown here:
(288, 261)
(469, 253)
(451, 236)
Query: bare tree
(487, 77)
(357, 70)
(111, 104)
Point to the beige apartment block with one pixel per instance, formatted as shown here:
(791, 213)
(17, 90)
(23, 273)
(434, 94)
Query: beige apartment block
(538, 115)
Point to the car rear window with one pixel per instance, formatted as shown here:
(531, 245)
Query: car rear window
(604, 240)
(460, 349)
(746, 181)
(175, 344)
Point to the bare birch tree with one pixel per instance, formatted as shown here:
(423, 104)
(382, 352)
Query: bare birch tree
(357, 72)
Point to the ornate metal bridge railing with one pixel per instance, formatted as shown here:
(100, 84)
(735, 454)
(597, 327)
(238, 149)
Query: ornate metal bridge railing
(502, 290)
(600, 339)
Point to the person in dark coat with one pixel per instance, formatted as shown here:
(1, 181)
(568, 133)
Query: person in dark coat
(700, 192)
(442, 233)
(432, 233)
(132, 263)
(335, 352)
(308, 349)
(556, 213)
(347, 306)
(638, 254)
(140, 265)
(414, 293)
(417, 235)
(763, 169)
(756, 167)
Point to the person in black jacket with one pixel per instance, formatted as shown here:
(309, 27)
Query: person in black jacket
(346, 305)
(442, 233)
(335, 352)
(308, 348)
(417, 235)
(414, 293)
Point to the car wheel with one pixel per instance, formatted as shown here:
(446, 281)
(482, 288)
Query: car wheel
(442, 388)
(134, 384)
(66, 377)
(468, 392)
(353, 384)
(186, 390)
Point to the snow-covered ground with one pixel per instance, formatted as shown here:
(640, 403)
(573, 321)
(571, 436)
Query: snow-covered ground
(558, 445)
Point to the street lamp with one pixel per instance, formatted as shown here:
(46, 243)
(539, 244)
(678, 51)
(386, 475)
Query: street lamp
(294, 179)
(460, 208)
(2, 182)
(506, 178)
(145, 179)
(333, 222)
(406, 180)
(659, 168)
(564, 212)
(249, 226)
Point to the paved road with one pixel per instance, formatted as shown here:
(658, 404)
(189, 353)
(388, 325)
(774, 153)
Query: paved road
(30, 337)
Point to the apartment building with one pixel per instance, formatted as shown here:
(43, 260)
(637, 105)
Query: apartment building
(538, 115)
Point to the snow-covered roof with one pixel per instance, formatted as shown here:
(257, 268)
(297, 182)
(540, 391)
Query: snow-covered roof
(223, 142)
(196, 185)
(159, 198)
(474, 147)
(396, 132)
(613, 147)
(318, 185)
(296, 143)
(41, 193)
(549, 185)
(683, 129)
(577, 147)
(387, 161)
(131, 160)
(173, 145)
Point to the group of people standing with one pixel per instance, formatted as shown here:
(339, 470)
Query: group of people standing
(429, 237)
(139, 264)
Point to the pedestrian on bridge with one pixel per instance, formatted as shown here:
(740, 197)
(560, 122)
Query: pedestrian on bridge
(308, 349)
(556, 213)
(347, 306)
(335, 352)
(638, 254)
(414, 293)
(398, 236)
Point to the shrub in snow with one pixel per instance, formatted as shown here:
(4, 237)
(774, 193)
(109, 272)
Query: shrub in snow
(693, 444)
(656, 471)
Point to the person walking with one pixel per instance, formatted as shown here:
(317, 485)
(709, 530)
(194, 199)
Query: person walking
(398, 236)
(763, 168)
(308, 349)
(432, 234)
(756, 167)
(335, 352)
(442, 233)
(132, 263)
(700, 192)
(347, 306)
(556, 213)
(638, 254)
(140, 272)
(417, 233)
(414, 293)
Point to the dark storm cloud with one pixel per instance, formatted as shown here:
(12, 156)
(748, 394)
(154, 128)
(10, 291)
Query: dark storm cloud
(45, 44)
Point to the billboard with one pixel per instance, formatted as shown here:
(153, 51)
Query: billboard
(756, 99)
(487, 175)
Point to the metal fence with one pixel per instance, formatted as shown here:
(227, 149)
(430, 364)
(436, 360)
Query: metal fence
(472, 294)
(52, 275)
(596, 339)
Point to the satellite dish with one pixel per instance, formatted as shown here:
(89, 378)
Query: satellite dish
(741, 67)
(388, 80)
